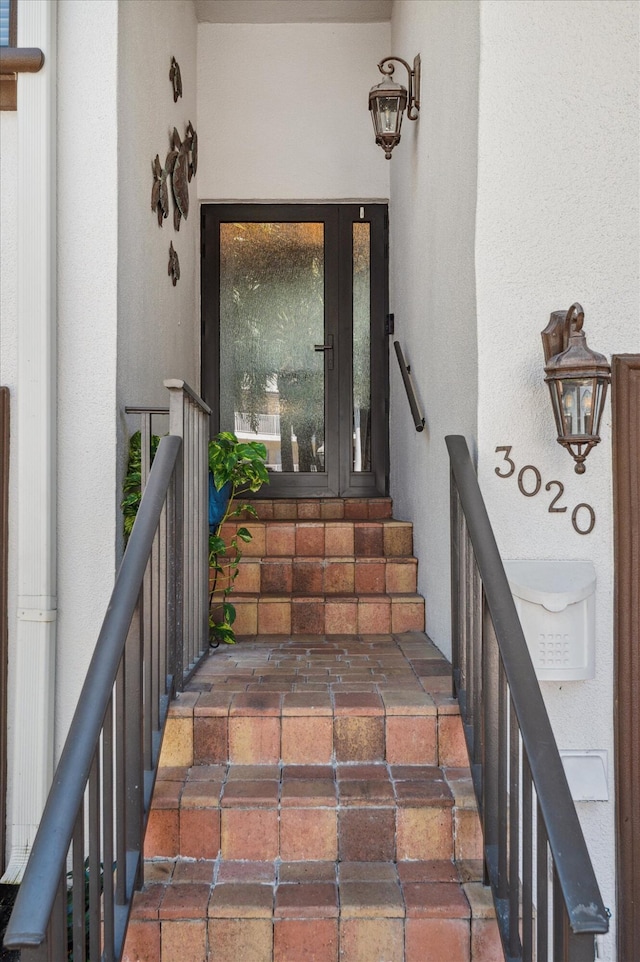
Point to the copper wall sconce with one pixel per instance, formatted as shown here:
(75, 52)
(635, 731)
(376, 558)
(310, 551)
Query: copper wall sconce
(388, 99)
(577, 379)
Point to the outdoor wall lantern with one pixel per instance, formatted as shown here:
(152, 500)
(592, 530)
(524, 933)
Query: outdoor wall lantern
(388, 99)
(577, 379)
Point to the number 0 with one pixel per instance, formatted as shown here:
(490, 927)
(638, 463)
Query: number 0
(529, 494)
(574, 518)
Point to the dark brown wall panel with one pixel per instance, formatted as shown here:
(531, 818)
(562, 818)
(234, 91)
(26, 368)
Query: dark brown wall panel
(626, 493)
(4, 539)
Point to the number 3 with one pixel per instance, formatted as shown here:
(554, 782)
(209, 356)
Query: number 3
(507, 451)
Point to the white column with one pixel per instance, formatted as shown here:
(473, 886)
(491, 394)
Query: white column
(32, 675)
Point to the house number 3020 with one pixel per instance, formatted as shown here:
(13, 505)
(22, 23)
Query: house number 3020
(530, 482)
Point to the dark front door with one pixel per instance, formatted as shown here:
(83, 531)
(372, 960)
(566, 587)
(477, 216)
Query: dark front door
(294, 351)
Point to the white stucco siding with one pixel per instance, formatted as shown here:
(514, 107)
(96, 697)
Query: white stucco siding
(87, 326)
(557, 221)
(9, 371)
(282, 111)
(432, 274)
(158, 325)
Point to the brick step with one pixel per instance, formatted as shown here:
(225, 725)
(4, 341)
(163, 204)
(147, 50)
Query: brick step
(331, 614)
(350, 812)
(267, 727)
(325, 576)
(326, 509)
(314, 804)
(336, 539)
(272, 911)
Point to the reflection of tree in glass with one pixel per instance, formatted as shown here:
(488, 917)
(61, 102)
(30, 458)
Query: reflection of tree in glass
(272, 313)
(362, 345)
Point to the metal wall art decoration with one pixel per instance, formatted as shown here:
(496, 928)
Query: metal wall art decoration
(174, 265)
(180, 165)
(160, 188)
(176, 79)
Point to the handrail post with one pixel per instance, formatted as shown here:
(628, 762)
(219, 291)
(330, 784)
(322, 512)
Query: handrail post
(189, 419)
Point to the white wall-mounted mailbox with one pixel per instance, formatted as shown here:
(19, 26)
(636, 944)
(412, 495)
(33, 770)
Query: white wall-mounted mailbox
(555, 601)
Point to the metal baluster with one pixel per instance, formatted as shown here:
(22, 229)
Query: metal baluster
(476, 673)
(527, 862)
(558, 920)
(455, 580)
(542, 905)
(178, 556)
(107, 832)
(78, 891)
(171, 561)
(204, 528)
(145, 610)
(156, 591)
(121, 790)
(134, 736)
(95, 868)
(503, 880)
(192, 530)
(490, 763)
(514, 833)
(57, 935)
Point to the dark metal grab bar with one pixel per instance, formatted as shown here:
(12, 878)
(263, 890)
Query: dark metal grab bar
(405, 370)
(37, 893)
(513, 752)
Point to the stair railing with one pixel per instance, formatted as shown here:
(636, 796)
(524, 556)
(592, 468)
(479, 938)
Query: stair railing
(87, 857)
(405, 371)
(547, 900)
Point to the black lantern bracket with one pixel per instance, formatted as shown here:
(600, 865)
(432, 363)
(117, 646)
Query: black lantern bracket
(386, 67)
(578, 379)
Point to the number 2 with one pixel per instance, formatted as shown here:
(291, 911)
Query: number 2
(547, 487)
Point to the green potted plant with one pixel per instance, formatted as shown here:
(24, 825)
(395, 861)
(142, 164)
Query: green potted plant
(235, 468)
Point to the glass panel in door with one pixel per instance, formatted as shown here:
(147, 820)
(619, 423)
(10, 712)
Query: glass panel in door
(361, 400)
(272, 380)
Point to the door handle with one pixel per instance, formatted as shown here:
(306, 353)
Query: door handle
(326, 347)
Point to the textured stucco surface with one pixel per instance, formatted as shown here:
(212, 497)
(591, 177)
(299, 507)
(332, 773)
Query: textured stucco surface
(282, 111)
(557, 221)
(158, 327)
(432, 275)
(87, 318)
(9, 363)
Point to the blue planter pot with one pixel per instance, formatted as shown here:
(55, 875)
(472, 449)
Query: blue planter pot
(218, 501)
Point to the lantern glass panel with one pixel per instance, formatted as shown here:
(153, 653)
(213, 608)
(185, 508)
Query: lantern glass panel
(389, 116)
(576, 400)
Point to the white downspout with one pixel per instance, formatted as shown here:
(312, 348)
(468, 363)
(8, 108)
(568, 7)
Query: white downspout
(32, 675)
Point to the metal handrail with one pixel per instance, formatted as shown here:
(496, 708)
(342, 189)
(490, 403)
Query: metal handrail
(513, 750)
(153, 634)
(405, 370)
(37, 893)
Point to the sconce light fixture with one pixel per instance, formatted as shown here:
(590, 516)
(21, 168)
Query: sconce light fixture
(577, 379)
(388, 99)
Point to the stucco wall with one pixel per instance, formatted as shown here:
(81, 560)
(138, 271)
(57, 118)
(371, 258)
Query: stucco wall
(158, 326)
(557, 221)
(432, 225)
(9, 368)
(87, 319)
(282, 111)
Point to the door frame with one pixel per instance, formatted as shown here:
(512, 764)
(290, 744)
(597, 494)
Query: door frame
(339, 479)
